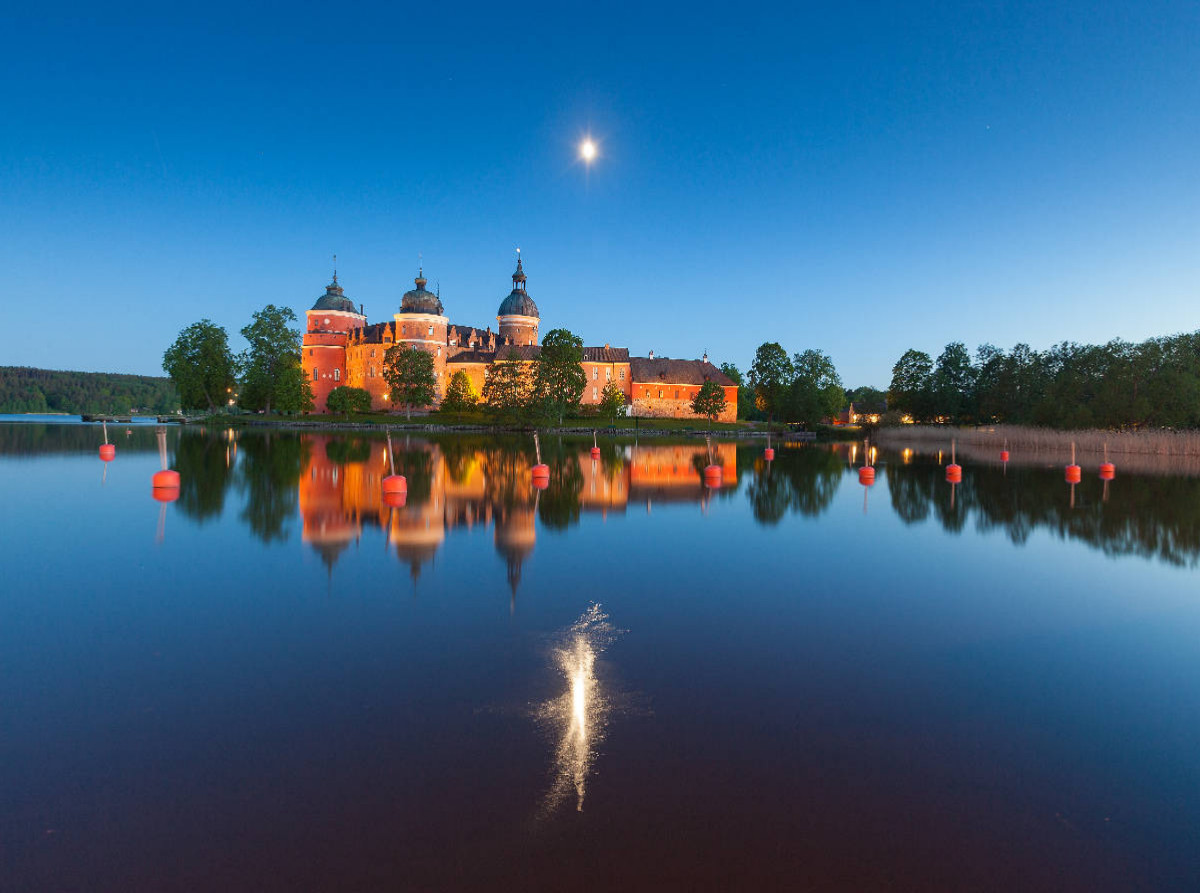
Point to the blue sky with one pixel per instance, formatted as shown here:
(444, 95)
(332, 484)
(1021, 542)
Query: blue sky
(856, 178)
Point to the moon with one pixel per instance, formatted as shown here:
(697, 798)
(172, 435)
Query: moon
(587, 150)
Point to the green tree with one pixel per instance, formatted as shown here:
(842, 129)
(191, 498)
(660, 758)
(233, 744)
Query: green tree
(345, 400)
(612, 401)
(910, 390)
(202, 366)
(733, 374)
(816, 391)
(953, 383)
(508, 390)
(272, 375)
(866, 397)
(709, 401)
(770, 376)
(559, 378)
(409, 373)
(460, 394)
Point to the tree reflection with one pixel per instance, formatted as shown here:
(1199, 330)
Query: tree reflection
(270, 475)
(205, 465)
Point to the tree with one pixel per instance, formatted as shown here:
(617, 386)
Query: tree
(272, 375)
(733, 374)
(709, 401)
(201, 365)
(910, 388)
(345, 400)
(866, 397)
(409, 373)
(953, 383)
(508, 389)
(460, 393)
(816, 391)
(559, 379)
(770, 376)
(612, 400)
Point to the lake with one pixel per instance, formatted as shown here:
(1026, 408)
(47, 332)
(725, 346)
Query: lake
(276, 680)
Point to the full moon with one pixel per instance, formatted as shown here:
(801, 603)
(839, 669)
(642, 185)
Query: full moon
(587, 150)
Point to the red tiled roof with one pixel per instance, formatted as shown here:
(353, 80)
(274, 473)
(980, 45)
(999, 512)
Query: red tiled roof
(662, 369)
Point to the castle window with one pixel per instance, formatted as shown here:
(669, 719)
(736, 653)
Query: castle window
(660, 393)
(608, 374)
(431, 330)
(372, 353)
(621, 374)
(316, 374)
(677, 393)
(337, 374)
(439, 353)
(594, 395)
(595, 372)
(370, 372)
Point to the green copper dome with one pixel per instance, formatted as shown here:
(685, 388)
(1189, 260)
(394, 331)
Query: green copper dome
(334, 299)
(421, 301)
(518, 302)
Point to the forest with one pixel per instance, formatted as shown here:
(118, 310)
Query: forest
(1118, 385)
(25, 389)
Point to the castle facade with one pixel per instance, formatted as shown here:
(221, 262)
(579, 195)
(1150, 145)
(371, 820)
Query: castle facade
(341, 348)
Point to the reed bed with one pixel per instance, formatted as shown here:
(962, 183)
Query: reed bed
(1050, 442)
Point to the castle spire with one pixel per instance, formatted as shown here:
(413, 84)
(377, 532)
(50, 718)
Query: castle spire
(335, 269)
(518, 277)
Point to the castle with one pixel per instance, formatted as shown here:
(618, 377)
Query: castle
(341, 348)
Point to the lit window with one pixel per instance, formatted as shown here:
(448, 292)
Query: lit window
(439, 353)
(660, 393)
(316, 374)
(372, 353)
(621, 374)
(337, 374)
(608, 374)
(595, 372)
(594, 396)
(431, 330)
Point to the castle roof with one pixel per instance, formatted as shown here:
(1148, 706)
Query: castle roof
(518, 302)
(419, 300)
(642, 369)
(606, 354)
(334, 299)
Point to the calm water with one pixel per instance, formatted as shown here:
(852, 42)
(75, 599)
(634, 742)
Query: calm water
(625, 681)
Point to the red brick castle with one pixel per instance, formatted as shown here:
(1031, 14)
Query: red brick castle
(342, 348)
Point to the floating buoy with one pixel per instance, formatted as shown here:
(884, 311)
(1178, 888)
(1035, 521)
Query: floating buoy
(866, 475)
(541, 483)
(167, 479)
(395, 499)
(395, 484)
(769, 454)
(1004, 455)
(1074, 472)
(541, 471)
(595, 448)
(713, 476)
(108, 452)
(1108, 471)
(165, 494)
(954, 470)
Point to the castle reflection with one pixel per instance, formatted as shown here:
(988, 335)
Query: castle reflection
(460, 484)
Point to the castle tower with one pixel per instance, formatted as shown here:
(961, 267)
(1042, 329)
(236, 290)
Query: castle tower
(422, 323)
(518, 315)
(323, 351)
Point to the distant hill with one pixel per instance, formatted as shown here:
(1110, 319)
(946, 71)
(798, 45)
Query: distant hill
(24, 389)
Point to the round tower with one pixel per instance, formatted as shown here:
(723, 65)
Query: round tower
(518, 315)
(422, 323)
(323, 353)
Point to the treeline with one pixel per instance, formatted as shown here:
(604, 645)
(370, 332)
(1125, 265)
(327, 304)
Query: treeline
(1117, 385)
(25, 389)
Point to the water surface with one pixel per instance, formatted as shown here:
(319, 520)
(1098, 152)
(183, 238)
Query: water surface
(627, 680)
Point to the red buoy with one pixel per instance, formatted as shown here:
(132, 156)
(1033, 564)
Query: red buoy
(165, 479)
(866, 475)
(541, 471)
(769, 454)
(1074, 474)
(954, 473)
(1004, 455)
(165, 494)
(108, 452)
(394, 499)
(395, 483)
(596, 452)
(1108, 471)
(541, 483)
(712, 476)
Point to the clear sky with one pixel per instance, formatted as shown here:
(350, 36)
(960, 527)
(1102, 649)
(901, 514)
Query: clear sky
(859, 178)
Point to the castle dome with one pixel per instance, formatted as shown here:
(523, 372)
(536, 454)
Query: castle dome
(518, 302)
(421, 301)
(334, 299)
